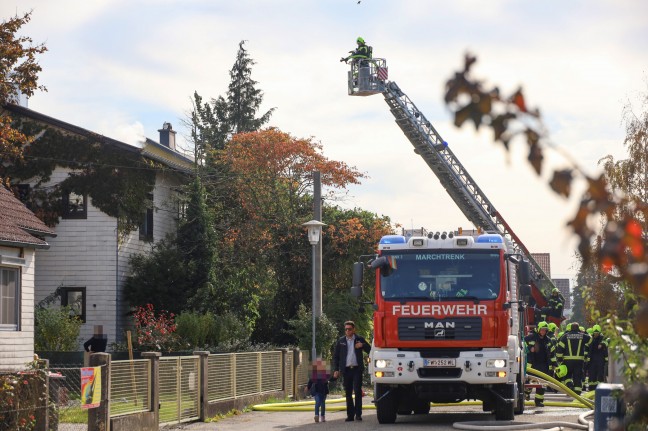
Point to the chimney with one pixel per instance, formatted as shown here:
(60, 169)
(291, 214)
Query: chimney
(167, 136)
(18, 97)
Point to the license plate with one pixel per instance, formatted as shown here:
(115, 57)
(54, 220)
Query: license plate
(439, 362)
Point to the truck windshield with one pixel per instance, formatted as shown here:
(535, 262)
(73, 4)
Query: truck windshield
(441, 275)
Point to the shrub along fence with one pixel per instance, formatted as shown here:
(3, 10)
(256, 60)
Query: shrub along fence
(155, 390)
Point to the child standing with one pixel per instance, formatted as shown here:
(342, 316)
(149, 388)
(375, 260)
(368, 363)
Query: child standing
(318, 386)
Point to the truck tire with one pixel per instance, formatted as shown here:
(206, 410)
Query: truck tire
(504, 411)
(519, 409)
(386, 407)
(422, 407)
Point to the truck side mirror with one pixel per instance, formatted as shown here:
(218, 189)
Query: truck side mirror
(358, 276)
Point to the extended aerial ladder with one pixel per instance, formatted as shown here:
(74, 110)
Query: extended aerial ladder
(368, 77)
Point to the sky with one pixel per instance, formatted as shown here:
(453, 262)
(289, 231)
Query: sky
(123, 68)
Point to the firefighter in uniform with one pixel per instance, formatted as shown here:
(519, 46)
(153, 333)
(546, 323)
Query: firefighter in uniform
(362, 52)
(554, 307)
(598, 358)
(573, 351)
(540, 356)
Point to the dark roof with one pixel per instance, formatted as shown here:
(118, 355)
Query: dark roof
(26, 112)
(19, 226)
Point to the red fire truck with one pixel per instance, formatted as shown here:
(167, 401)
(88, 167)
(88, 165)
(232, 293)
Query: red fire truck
(450, 307)
(447, 322)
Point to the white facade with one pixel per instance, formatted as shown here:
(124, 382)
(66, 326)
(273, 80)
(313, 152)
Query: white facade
(87, 253)
(17, 346)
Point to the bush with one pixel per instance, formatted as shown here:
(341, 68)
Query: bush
(20, 395)
(56, 330)
(302, 329)
(206, 331)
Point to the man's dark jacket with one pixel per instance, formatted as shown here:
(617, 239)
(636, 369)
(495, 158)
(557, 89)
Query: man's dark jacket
(340, 353)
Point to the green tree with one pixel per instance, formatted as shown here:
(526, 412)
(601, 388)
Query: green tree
(19, 70)
(56, 330)
(159, 278)
(272, 177)
(243, 98)
(197, 246)
(301, 328)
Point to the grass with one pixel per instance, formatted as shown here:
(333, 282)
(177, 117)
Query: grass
(229, 414)
(73, 415)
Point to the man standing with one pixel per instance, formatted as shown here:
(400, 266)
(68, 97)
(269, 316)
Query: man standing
(598, 358)
(540, 356)
(573, 351)
(348, 361)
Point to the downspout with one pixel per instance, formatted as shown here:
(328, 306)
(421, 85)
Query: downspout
(117, 299)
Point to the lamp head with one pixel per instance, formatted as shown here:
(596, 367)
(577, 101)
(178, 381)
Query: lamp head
(314, 229)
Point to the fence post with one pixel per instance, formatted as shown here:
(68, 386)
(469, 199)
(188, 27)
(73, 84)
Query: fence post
(297, 358)
(284, 377)
(99, 417)
(204, 382)
(154, 383)
(42, 404)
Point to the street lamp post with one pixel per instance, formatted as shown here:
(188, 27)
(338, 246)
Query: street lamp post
(314, 231)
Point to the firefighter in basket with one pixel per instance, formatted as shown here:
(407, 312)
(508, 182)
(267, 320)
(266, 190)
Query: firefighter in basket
(362, 52)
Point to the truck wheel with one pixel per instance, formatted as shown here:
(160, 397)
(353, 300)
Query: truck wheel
(521, 399)
(422, 407)
(520, 404)
(504, 411)
(386, 407)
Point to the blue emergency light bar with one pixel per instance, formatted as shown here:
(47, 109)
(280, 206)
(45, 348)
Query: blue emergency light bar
(490, 238)
(393, 239)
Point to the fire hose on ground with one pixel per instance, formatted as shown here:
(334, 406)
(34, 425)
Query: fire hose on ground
(339, 404)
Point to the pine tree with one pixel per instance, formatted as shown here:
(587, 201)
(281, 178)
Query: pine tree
(243, 98)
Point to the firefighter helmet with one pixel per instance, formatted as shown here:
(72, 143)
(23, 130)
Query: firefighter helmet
(596, 328)
(572, 326)
(542, 325)
(360, 40)
(561, 371)
(589, 330)
(552, 327)
(555, 290)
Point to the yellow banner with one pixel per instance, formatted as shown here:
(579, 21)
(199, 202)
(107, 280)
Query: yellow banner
(90, 387)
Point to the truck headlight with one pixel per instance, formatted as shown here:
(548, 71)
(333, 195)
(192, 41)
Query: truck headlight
(495, 363)
(383, 363)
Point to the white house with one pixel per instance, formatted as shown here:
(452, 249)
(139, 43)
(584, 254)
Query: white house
(21, 234)
(88, 260)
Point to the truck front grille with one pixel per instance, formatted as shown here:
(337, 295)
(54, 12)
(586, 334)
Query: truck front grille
(457, 328)
(441, 373)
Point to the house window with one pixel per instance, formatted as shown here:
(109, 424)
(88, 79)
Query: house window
(9, 299)
(75, 298)
(146, 227)
(75, 206)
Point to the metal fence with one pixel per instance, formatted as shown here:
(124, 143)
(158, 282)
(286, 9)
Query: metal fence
(130, 385)
(233, 375)
(172, 389)
(65, 399)
(179, 384)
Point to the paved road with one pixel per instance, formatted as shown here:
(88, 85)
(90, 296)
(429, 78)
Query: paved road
(441, 418)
